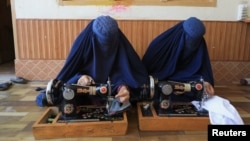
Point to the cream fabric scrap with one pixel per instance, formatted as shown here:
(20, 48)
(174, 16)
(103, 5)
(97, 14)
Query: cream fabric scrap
(221, 111)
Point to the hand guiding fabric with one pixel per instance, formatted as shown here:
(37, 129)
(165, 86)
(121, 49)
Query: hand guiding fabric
(85, 80)
(123, 94)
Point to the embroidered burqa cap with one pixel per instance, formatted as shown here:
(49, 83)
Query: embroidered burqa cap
(194, 27)
(105, 28)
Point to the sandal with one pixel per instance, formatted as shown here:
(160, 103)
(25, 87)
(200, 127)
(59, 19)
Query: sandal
(5, 86)
(19, 80)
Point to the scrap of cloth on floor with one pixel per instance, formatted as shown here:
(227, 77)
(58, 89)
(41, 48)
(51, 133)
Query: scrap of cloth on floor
(221, 111)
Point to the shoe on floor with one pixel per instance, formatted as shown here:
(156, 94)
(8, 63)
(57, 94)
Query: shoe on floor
(19, 80)
(5, 86)
(40, 89)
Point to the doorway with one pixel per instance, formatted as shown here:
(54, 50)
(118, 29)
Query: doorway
(7, 51)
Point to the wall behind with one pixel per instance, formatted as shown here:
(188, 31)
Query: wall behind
(44, 32)
(226, 10)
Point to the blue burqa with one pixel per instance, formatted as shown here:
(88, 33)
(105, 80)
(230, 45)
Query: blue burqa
(104, 57)
(117, 61)
(178, 56)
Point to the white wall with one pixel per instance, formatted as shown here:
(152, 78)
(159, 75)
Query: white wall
(226, 10)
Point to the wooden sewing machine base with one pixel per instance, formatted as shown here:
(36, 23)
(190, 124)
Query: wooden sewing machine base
(44, 130)
(169, 123)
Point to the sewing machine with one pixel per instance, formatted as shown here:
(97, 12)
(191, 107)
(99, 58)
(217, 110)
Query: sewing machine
(157, 112)
(73, 117)
(159, 93)
(67, 96)
(71, 100)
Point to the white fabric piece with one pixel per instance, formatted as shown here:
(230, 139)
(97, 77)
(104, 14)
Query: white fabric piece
(221, 111)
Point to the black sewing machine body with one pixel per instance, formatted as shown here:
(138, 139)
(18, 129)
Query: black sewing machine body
(69, 97)
(72, 99)
(76, 96)
(160, 94)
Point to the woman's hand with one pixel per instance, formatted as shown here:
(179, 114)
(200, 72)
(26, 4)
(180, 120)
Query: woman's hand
(123, 94)
(85, 80)
(209, 89)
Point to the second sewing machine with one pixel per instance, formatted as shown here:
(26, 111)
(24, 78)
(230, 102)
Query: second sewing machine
(159, 92)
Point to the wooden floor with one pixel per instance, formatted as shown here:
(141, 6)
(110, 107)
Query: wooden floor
(18, 112)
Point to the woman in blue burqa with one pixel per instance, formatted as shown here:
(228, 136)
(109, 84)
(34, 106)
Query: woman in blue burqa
(101, 52)
(180, 54)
